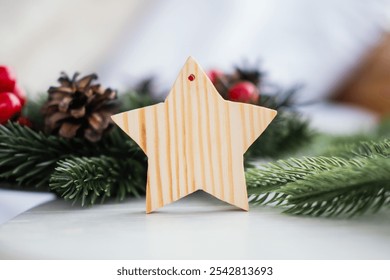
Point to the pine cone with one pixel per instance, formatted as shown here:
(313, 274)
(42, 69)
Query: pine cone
(79, 108)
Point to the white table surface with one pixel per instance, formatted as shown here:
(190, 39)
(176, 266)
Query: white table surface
(13, 202)
(196, 227)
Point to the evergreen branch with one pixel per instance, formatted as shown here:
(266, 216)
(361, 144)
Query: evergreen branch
(78, 178)
(87, 180)
(270, 177)
(347, 190)
(28, 157)
(327, 186)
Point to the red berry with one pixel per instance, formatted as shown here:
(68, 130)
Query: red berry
(244, 92)
(8, 84)
(7, 79)
(9, 106)
(24, 121)
(214, 74)
(19, 92)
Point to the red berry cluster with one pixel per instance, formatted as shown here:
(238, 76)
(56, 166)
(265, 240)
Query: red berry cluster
(12, 97)
(241, 86)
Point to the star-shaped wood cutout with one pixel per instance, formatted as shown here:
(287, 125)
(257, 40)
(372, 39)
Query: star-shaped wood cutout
(195, 140)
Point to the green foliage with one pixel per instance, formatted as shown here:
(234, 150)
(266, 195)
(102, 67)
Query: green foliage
(87, 180)
(348, 190)
(84, 179)
(28, 158)
(355, 183)
(276, 174)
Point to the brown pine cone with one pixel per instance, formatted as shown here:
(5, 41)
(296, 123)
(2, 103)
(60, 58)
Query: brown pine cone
(79, 108)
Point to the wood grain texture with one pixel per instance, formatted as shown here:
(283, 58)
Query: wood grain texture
(195, 140)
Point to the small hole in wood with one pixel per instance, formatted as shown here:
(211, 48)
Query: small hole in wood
(191, 77)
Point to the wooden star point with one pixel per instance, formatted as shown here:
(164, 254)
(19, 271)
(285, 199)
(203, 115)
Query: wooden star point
(195, 140)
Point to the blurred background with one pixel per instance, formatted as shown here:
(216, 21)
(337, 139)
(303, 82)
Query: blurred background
(338, 49)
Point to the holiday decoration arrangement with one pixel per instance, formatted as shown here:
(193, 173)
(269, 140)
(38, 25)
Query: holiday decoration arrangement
(67, 143)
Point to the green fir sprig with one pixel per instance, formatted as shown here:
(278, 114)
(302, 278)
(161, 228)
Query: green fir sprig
(88, 180)
(356, 183)
(28, 158)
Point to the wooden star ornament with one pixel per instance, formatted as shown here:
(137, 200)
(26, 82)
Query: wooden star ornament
(195, 140)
